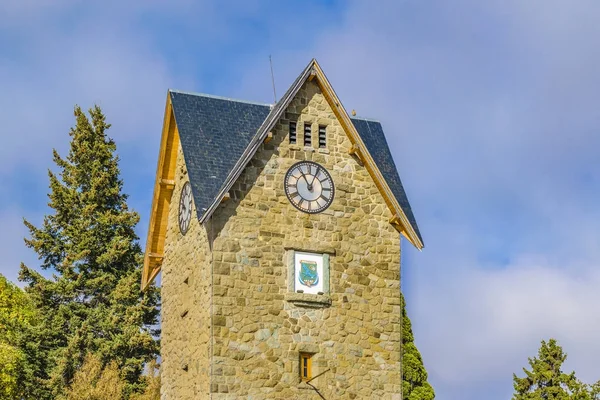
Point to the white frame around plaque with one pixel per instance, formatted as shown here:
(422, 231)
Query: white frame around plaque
(319, 287)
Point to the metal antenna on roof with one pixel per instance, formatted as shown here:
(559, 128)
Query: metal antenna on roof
(273, 79)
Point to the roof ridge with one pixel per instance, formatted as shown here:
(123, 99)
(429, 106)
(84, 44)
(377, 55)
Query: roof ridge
(212, 96)
(381, 166)
(366, 119)
(258, 137)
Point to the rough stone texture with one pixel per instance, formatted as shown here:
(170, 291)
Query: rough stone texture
(257, 331)
(185, 312)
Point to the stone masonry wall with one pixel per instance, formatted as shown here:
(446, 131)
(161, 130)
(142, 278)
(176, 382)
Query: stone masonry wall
(185, 313)
(258, 333)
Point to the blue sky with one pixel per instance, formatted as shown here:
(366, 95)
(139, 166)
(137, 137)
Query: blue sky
(490, 108)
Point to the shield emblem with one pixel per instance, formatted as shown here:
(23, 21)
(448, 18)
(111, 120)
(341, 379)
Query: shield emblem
(308, 273)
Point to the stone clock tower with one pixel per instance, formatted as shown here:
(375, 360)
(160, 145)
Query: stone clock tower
(277, 230)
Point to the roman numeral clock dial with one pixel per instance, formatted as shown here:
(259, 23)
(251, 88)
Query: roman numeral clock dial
(185, 208)
(309, 187)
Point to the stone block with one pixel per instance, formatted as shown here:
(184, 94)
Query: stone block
(259, 326)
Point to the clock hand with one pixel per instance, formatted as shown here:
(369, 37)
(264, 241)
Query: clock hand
(304, 175)
(315, 177)
(306, 180)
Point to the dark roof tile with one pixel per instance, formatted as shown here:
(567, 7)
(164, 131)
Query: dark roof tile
(371, 133)
(215, 131)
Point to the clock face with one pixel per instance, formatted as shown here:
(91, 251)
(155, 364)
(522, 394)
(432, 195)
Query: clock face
(309, 187)
(185, 208)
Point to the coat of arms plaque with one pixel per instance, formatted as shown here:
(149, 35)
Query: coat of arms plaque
(309, 276)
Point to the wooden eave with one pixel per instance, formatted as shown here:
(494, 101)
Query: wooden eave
(164, 184)
(165, 172)
(311, 72)
(400, 222)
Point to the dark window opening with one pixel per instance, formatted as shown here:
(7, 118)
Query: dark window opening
(292, 133)
(322, 136)
(307, 135)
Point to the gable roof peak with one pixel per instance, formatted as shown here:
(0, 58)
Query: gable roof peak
(234, 130)
(403, 218)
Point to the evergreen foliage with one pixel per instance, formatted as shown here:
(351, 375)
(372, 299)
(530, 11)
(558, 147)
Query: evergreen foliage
(546, 380)
(414, 375)
(93, 301)
(152, 380)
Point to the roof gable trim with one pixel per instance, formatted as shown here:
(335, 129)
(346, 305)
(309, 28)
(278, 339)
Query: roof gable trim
(404, 226)
(312, 71)
(164, 184)
(274, 116)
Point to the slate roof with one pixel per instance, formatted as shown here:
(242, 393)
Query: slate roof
(215, 131)
(371, 133)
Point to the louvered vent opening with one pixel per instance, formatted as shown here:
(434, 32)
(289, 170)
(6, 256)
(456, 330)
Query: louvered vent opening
(307, 135)
(292, 133)
(322, 137)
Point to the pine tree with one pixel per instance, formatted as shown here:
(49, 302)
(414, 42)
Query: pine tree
(414, 375)
(93, 302)
(152, 379)
(546, 380)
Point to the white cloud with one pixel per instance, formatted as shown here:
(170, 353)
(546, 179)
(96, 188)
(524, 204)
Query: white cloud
(490, 109)
(491, 112)
(487, 322)
(86, 64)
(62, 55)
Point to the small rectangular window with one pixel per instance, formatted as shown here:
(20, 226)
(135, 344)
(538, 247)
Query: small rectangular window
(305, 366)
(322, 137)
(292, 133)
(307, 134)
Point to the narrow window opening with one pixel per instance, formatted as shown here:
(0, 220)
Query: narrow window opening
(305, 366)
(307, 134)
(292, 133)
(322, 137)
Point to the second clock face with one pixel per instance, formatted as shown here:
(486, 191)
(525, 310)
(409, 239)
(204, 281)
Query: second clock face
(309, 187)
(185, 208)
